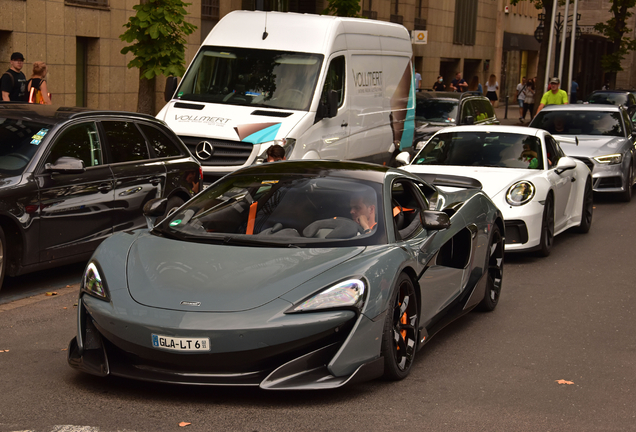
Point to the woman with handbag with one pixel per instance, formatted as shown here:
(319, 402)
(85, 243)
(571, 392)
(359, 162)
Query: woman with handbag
(36, 86)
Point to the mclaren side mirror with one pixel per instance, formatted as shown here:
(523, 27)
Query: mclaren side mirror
(435, 220)
(564, 164)
(153, 209)
(66, 165)
(402, 159)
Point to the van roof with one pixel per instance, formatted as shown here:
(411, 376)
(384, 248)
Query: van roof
(287, 31)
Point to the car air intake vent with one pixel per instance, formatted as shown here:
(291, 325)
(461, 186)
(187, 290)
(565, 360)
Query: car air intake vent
(217, 152)
(587, 162)
(189, 106)
(271, 113)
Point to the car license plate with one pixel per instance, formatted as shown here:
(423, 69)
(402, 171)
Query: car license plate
(180, 344)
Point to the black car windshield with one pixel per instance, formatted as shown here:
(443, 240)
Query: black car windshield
(282, 210)
(577, 122)
(436, 111)
(19, 140)
(485, 149)
(609, 98)
(252, 77)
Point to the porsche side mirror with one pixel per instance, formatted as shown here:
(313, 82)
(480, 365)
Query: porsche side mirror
(403, 159)
(564, 164)
(171, 87)
(66, 165)
(468, 120)
(435, 220)
(153, 209)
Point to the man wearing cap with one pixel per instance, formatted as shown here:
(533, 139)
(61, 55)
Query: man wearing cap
(554, 96)
(13, 82)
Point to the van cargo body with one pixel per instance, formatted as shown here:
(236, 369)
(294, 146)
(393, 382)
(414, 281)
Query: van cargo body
(322, 87)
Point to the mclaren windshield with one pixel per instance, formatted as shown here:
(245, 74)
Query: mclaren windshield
(19, 140)
(483, 149)
(281, 210)
(252, 77)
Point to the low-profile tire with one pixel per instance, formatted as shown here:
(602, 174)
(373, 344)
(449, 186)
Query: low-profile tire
(3, 256)
(547, 228)
(399, 341)
(587, 208)
(173, 204)
(494, 270)
(626, 195)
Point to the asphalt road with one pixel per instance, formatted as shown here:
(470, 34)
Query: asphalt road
(567, 317)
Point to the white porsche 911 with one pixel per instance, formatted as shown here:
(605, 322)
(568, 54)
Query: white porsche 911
(540, 191)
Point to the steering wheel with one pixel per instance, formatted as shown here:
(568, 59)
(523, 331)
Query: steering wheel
(20, 156)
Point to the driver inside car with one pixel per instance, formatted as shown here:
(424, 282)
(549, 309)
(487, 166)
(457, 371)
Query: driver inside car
(363, 207)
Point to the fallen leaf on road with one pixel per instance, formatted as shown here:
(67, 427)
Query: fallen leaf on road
(68, 286)
(63, 308)
(562, 381)
(51, 293)
(4, 350)
(64, 349)
(183, 424)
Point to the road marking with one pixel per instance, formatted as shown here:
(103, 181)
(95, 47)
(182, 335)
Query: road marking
(38, 298)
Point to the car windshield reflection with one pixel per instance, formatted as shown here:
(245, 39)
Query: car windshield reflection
(435, 111)
(283, 210)
(483, 149)
(580, 122)
(20, 140)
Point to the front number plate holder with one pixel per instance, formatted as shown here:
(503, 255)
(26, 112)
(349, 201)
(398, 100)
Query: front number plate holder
(181, 344)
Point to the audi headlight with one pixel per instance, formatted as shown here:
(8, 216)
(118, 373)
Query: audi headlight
(286, 143)
(611, 159)
(346, 294)
(520, 193)
(93, 283)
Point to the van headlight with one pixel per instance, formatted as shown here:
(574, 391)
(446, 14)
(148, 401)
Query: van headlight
(286, 143)
(93, 283)
(611, 159)
(520, 193)
(346, 294)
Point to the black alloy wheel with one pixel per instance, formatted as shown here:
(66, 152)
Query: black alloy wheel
(587, 209)
(399, 341)
(547, 228)
(495, 271)
(3, 253)
(626, 195)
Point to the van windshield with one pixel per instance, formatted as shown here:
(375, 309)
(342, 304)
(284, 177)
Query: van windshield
(252, 77)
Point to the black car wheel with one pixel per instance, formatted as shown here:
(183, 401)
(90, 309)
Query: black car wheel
(547, 228)
(587, 209)
(3, 251)
(399, 341)
(626, 195)
(495, 271)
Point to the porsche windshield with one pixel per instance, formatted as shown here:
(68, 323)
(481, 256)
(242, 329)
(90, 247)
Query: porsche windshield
(578, 122)
(19, 140)
(252, 77)
(282, 210)
(485, 149)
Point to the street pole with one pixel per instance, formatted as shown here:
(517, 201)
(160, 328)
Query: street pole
(564, 34)
(572, 43)
(551, 38)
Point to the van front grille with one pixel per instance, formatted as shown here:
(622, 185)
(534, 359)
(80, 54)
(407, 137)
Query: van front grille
(224, 152)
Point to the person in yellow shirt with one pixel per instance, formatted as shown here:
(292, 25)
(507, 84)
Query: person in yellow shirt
(554, 96)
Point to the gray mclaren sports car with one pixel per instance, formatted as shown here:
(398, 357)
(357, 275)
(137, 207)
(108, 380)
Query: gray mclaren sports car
(290, 275)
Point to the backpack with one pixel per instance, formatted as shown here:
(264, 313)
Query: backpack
(10, 76)
(35, 95)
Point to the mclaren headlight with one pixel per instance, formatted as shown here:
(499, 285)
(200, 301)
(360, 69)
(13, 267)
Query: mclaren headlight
(346, 294)
(93, 284)
(611, 159)
(520, 193)
(286, 143)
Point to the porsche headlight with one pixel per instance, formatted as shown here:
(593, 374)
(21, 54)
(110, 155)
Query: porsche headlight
(611, 159)
(349, 293)
(93, 283)
(520, 193)
(286, 143)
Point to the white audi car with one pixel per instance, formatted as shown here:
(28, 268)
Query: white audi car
(540, 191)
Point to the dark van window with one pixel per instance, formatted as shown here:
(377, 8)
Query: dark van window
(125, 141)
(79, 141)
(162, 145)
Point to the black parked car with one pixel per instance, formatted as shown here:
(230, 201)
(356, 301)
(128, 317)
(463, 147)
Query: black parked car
(70, 177)
(437, 110)
(614, 97)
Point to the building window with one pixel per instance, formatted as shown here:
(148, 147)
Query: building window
(266, 5)
(98, 3)
(465, 22)
(395, 12)
(81, 67)
(210, 9)
(367, 10)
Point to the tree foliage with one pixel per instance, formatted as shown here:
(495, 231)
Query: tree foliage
(343, 8)
(159, 29)
(616, 31)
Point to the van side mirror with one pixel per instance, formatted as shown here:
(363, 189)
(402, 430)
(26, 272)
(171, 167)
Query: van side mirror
(66, 165)
(171, 87)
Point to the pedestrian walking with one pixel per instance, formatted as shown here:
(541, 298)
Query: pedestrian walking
(439, 84)
(418, 80)
(475, 85)
(458, 84)
(521, 95)
(491, 89)
(14, 83)
(528, 101)
(554, 96)
(573, 90)
(36, 86)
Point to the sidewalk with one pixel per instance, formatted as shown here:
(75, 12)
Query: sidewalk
(513, 114)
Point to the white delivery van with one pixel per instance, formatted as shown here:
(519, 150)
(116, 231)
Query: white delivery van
(322, 87)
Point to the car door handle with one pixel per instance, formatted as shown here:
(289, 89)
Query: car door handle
(344, 124)
(155, 181)
(104, 187)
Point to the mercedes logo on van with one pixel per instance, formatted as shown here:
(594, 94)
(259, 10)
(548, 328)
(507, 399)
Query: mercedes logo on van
(204, 150)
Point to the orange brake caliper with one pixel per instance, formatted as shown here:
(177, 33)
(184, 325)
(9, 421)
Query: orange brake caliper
(403, 321)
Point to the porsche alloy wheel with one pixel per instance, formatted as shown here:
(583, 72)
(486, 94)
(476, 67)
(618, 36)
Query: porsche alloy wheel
(495, 271)
(547, 228)
(588, 208)
(399, 341)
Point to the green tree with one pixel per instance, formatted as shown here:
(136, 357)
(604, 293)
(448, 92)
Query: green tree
(616, 31)
(159, 29)
(343, 8)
